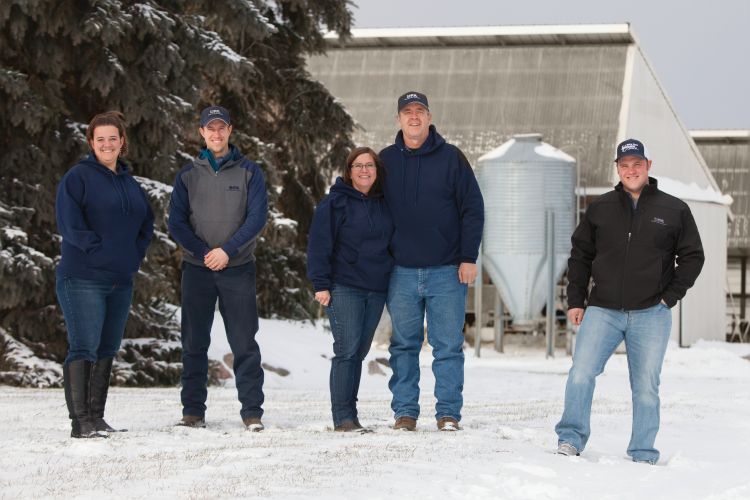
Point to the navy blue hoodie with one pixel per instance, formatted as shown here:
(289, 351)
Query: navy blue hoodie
(435, 201)
(348, 241)
(105, 221)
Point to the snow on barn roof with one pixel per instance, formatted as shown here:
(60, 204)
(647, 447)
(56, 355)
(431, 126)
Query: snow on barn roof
(692, 192)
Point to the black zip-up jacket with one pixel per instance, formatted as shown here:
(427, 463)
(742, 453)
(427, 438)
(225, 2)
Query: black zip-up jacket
(631, 253)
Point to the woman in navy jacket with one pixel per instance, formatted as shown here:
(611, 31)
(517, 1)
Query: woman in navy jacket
(106, 225)
(349, 265)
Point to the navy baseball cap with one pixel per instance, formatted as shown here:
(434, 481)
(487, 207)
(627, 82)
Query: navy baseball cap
(411, 97)
(631, 147)
(212, 113)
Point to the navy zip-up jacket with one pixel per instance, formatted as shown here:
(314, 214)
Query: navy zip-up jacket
(348, 240)
(105, 221)
(225, 208)
(435, 201)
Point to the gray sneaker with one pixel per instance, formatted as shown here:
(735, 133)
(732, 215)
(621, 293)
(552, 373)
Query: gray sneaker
(567, 449)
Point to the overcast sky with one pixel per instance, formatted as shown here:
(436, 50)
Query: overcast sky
(700, 50)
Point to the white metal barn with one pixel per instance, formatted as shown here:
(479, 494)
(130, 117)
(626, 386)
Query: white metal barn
(727, 154)
(583, 87)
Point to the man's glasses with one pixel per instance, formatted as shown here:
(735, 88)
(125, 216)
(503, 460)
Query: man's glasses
(363, 166)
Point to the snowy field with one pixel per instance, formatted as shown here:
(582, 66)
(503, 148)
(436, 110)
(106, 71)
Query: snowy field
(506, 450)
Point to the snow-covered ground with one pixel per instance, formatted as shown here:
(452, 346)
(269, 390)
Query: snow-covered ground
(506, 450)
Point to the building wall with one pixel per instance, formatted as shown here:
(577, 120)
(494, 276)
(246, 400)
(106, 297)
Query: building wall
(651, 119)
(481, 96)
(703, 310)
(730, 165)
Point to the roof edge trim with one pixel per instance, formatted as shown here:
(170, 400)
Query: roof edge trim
(470, 35)
(719, 134)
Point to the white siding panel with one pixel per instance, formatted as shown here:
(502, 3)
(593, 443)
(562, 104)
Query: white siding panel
(704, 306)
(652, 120)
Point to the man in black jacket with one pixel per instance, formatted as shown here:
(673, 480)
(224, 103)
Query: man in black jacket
(628, 243)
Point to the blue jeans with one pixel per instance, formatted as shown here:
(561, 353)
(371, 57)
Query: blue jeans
(354, 314)
(234, 287)
(95, 313)
(646, 333)
(436, 292)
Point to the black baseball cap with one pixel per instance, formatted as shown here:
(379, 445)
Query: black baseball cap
(212, 113)
(410, 97)
(631, 147)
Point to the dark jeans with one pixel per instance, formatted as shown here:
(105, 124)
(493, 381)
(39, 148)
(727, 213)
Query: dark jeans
(95, 314)
(354, 314)
(234, 287)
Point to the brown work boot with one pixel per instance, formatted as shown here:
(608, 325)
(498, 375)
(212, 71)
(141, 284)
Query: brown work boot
(448, 424)
(253, 424)
(348, 426)
(405, 424)
(192, 421)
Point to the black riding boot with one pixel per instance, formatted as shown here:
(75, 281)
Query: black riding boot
(100, 374)
(76, 375)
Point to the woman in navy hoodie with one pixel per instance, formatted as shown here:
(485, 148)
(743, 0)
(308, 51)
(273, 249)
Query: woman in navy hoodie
(349, 265)
(106, 225)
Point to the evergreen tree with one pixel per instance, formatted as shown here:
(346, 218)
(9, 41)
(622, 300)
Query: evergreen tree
(159, 62)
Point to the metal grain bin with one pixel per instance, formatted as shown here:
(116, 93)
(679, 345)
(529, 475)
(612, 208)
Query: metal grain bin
(520, 180)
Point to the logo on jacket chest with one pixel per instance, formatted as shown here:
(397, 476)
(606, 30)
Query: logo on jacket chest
(232, 187)
(658, 220)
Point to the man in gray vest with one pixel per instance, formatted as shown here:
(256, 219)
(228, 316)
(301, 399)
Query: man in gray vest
(218, 207)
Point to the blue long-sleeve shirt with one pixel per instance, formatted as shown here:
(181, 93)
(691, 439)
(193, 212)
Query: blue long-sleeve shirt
(436, 203)
(224, 209)
(105, 221)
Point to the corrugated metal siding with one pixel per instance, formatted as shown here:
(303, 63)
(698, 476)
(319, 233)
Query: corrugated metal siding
(481, 96)
(729, 163)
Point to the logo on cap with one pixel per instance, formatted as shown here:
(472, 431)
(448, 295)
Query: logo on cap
(631, 147)
(212, 113)
(411, 97)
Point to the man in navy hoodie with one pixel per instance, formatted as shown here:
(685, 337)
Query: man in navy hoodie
(438, 214)
(219, 206)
